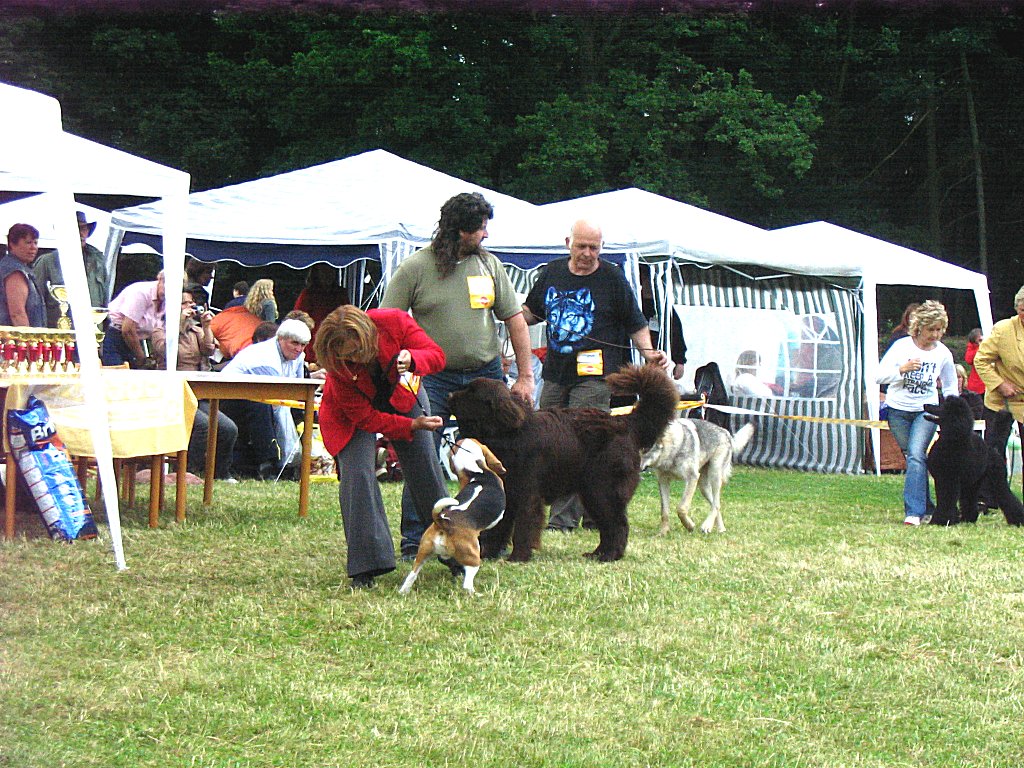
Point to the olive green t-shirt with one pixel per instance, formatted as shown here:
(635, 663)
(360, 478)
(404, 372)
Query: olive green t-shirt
(459, 312)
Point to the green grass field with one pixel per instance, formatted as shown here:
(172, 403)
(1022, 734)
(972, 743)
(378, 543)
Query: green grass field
(818, 631)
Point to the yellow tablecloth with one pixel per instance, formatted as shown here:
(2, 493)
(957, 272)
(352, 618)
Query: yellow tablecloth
(149, 412)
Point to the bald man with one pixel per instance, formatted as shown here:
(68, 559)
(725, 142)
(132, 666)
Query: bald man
(592, 315)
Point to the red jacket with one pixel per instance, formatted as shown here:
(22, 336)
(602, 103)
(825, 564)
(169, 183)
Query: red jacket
(347, 401)
(974, 382)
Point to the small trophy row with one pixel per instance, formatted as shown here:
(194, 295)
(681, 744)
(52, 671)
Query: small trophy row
(37, 351)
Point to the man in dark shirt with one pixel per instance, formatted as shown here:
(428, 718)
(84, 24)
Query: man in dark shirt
(592, 314)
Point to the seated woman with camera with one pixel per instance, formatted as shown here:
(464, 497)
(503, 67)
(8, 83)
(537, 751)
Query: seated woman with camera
(195, 345)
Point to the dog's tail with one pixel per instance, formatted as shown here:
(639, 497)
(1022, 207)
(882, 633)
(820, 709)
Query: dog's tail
(741, 438)
(440, 513)
(658, 400)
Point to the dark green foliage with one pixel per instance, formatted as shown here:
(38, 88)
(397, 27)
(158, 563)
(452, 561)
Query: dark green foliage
(782, 113)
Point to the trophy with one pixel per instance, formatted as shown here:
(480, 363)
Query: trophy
(99, 316)
(60, 293)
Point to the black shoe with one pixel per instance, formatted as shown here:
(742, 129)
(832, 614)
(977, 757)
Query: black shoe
(267, 471)
(560, 529)
(362, 581)
(408, 557)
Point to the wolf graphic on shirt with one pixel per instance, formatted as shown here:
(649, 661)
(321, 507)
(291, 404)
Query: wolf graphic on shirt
(570, 317)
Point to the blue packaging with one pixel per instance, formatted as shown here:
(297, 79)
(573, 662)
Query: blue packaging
(48, 474)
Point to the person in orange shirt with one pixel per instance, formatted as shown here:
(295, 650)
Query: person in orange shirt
(233, 328)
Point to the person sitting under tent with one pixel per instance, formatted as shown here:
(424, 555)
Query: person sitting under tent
(198, 275)
(48, 272)
(134, 314)
(195, 345)
(238, 293)
(233, 328)
(261, 302)
(266, 433)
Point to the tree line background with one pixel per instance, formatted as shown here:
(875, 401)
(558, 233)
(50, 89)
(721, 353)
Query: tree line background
(899, 120)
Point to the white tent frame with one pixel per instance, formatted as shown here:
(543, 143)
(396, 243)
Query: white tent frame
(38, 156)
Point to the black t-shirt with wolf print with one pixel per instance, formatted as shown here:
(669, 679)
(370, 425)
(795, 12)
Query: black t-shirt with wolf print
(589, 320)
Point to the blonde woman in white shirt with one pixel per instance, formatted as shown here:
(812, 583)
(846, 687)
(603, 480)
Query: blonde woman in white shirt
(915, 368)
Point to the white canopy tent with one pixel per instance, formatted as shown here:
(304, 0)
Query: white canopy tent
(829, 250)
(38, 156)
(651, 224)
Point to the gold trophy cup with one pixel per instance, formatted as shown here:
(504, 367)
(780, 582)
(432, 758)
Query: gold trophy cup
(60, 293)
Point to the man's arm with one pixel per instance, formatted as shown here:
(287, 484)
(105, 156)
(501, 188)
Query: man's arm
(130, 333)
(642, 341)
(520, 337)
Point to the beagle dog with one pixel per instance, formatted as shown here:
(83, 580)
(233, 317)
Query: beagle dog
(479, 505)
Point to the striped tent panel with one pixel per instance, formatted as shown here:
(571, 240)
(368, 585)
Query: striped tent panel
(522, 279)
(782, 443)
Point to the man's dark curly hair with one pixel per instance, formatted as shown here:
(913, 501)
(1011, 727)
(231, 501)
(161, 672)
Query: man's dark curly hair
(462, 213)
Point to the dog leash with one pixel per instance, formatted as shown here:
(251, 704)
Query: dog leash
(452, 445)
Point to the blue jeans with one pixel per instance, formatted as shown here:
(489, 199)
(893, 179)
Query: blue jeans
(914, 433)
(115, 350)
(438, 386)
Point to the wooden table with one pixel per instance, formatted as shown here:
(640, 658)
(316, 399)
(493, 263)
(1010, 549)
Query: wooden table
(158, 439)
(219, 386)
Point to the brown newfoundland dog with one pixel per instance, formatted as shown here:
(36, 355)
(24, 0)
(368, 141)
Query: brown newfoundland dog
(556, 452)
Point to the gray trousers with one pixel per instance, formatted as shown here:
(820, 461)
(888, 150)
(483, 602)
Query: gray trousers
(371, 549)
(566, 512)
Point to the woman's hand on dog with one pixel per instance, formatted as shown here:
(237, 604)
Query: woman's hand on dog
(427, 422)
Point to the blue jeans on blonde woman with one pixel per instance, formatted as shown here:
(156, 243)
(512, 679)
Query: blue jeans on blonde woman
(913, 433)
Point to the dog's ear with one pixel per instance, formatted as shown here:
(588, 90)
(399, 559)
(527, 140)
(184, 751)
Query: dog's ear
(505, 409)
(493, 462)
(509, 413)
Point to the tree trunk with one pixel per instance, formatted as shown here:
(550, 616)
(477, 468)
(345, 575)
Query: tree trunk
(979, 181)
(934, 198)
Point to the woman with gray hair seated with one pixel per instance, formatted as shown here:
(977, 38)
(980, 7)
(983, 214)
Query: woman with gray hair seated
(262, 449)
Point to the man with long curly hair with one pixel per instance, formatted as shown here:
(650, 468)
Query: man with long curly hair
(458, 292)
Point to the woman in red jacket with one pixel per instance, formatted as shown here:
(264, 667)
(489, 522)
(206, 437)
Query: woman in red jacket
(374, 360)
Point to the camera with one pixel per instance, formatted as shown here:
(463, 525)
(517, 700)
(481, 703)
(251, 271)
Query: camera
(197, 312)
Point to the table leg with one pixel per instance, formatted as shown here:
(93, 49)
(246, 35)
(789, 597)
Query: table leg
(179, 489)
(307, 453)
(211, 452)
(156, 482)
(9, 496)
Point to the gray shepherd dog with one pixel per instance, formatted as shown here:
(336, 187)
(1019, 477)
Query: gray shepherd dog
(697, 452)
